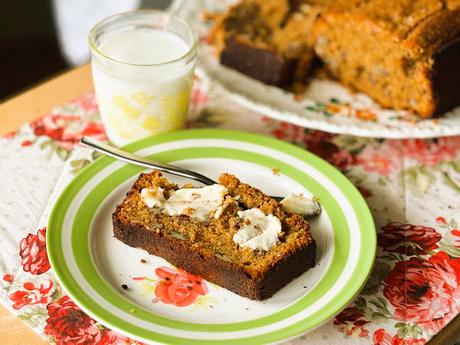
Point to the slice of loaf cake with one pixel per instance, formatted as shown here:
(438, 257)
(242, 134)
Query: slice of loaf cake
(403, 53)
(267, 40)
(230, 233)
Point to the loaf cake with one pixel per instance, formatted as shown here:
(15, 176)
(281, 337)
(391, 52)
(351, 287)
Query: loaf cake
(230, 233)
(403, 53)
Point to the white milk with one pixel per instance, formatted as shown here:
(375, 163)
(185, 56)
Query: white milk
(144, 91)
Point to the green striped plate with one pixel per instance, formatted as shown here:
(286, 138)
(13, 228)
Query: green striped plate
(157, 305)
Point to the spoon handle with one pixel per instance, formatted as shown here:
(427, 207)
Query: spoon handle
(141, 161)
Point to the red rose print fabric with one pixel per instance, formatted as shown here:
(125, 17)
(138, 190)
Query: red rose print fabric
(67, 129)
(351, 322)
(408, 239)
(8, 278)
(383, 338)
(32, 251)
(420, 272)
(425, 291)
(455, 233)
(86, 103)
(61, 130)
(67, 324)
(381, 159)
(321, 144)
(32, 294)
(430, 153)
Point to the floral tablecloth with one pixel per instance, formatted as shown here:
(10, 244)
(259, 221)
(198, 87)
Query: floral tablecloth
(412, 187)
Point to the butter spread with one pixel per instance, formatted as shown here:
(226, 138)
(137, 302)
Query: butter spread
(219, 212)
(153, 197)
(197, 203)
(258, 231)
(300, 204)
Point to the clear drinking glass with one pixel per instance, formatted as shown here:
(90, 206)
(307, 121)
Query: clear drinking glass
(142, 64)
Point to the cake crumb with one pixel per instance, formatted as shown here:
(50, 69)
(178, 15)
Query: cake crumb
(276, 171)
(189, 211)
(143, 261)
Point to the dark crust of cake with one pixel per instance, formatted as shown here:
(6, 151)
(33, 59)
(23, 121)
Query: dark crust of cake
(445, 78)
(212, 268)
(259, 63)
(257, 285)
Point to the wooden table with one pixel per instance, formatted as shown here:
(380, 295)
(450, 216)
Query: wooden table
(21, 109)
(37, 101)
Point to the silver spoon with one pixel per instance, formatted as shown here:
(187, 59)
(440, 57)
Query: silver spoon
(142, 161)
(167, 168)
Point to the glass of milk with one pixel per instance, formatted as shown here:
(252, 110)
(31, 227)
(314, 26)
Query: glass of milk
(142, 64)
